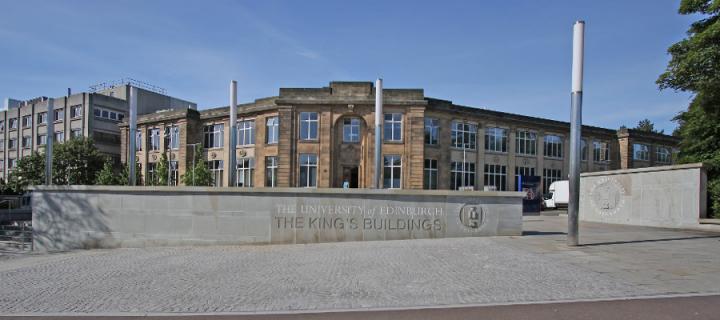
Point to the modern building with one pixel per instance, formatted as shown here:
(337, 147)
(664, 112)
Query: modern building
(321, 137)
(96, 114)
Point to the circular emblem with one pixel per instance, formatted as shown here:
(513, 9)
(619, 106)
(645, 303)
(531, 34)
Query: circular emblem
(154, 157)
(243, 153)
(607, 196)
(471, 217)
(526, 161)
(213, 155)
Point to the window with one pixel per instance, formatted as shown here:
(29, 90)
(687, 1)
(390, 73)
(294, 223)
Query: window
(525, 143)
(59, 136)
(42, 118)
(430, 173)
(523, 171)
(216, 171)
(271, 167)
(12, 144)
(351, 130)
(27, 142)
(97, 112)
(393, 127)
(245, 170)
(113, 115)
(662, 154)
(173, 172)
(120, 116)
(583, 150)
(308, 125)
(2, 165)
(550, 176)
(640, 152)
(152, 174)
(432, 131)
(601, 152)
(496, 176)
(12, 163)
(308, 170)
(27, 121)
(553, 147)
(105, 114)
(463, 135)
(76, 133)
(246, 132)
(172, 137)
(2, 125)
(462, 175)
(154, 139)
(76, 111)
(2, 144)
(42, 139)
(13, 123)
(59, 115)
(393, 172)
(138, 141)
(496, 139)
(213, 135)
(101, 113)
(273, 130)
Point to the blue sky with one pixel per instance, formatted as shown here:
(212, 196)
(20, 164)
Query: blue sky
(511, 56)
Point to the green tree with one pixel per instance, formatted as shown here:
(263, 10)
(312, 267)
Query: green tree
(694, 67)
(107, 175)
(646, 125)
(30, 171)
(76, 162)
(161, 173)
(199, 175)
(124, 180)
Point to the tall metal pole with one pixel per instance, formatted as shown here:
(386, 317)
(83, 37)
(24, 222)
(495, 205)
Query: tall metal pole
(575, 132)
(378, 133)
(233, 133)
(193, 169)
(133, 135)
(49, 141)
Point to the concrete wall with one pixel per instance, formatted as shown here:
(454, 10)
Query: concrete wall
(70, 217)
(668, 196)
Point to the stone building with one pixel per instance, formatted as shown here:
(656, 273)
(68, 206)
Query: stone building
(23, 124)
(321, 137)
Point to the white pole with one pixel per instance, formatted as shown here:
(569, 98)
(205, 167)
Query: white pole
(575, 132)
(233, 133)
(133, 135)
(49, 140)
(378, 132)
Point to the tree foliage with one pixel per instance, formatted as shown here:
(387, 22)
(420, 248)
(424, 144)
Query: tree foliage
(199, 175)
(76, 162)
(694, 67)
(30, 171)
(107, 175)
(646, 125)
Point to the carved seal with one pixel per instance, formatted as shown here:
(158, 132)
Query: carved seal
(471, 217)
(607, 196)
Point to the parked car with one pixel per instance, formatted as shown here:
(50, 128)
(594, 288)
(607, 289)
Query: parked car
(557, 196)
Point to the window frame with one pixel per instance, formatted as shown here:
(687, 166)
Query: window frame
(465, 131)
(307, 123)
(245, 130)
(525, 142)
(430, 174)
(351, 130)
(431, 131)
(310, 168)
(495, 134)
(272, 130)
(553, 149)
(389, 164)
(393, 124)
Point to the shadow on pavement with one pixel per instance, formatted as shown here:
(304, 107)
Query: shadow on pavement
(644, 241)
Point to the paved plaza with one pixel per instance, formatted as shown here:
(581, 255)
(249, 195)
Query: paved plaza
(615, 262)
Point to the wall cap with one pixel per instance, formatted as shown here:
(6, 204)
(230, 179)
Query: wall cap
(231, 190)
(648, 169)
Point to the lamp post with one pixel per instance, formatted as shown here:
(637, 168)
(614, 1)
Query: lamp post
(575, 132)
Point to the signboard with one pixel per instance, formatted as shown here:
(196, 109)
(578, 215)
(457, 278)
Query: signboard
(532, 203)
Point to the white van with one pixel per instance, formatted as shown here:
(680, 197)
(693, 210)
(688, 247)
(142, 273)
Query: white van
(557, 196)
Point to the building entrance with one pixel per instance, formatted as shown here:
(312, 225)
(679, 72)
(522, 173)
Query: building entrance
(351, 175)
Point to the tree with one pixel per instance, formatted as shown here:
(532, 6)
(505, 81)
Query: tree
(107, 175)
(694, 67)
(200, 174)
(124, 178)
(646, 125)
(76, 162)
(161, 171)
(30, 171)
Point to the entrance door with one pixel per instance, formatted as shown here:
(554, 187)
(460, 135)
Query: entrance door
(350, 174)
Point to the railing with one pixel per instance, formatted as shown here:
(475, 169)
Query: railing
(17, 236)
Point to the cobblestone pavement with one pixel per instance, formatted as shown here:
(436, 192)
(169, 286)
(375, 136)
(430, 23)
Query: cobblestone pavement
(617, 262)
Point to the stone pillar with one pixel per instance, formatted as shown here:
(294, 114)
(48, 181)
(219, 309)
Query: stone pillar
(480, 163)
(625, 149)
(286, 147)
(540, 154)
(415, 147)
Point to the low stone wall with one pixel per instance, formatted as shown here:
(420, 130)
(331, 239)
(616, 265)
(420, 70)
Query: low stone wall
(70, 217)
(668, 196)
